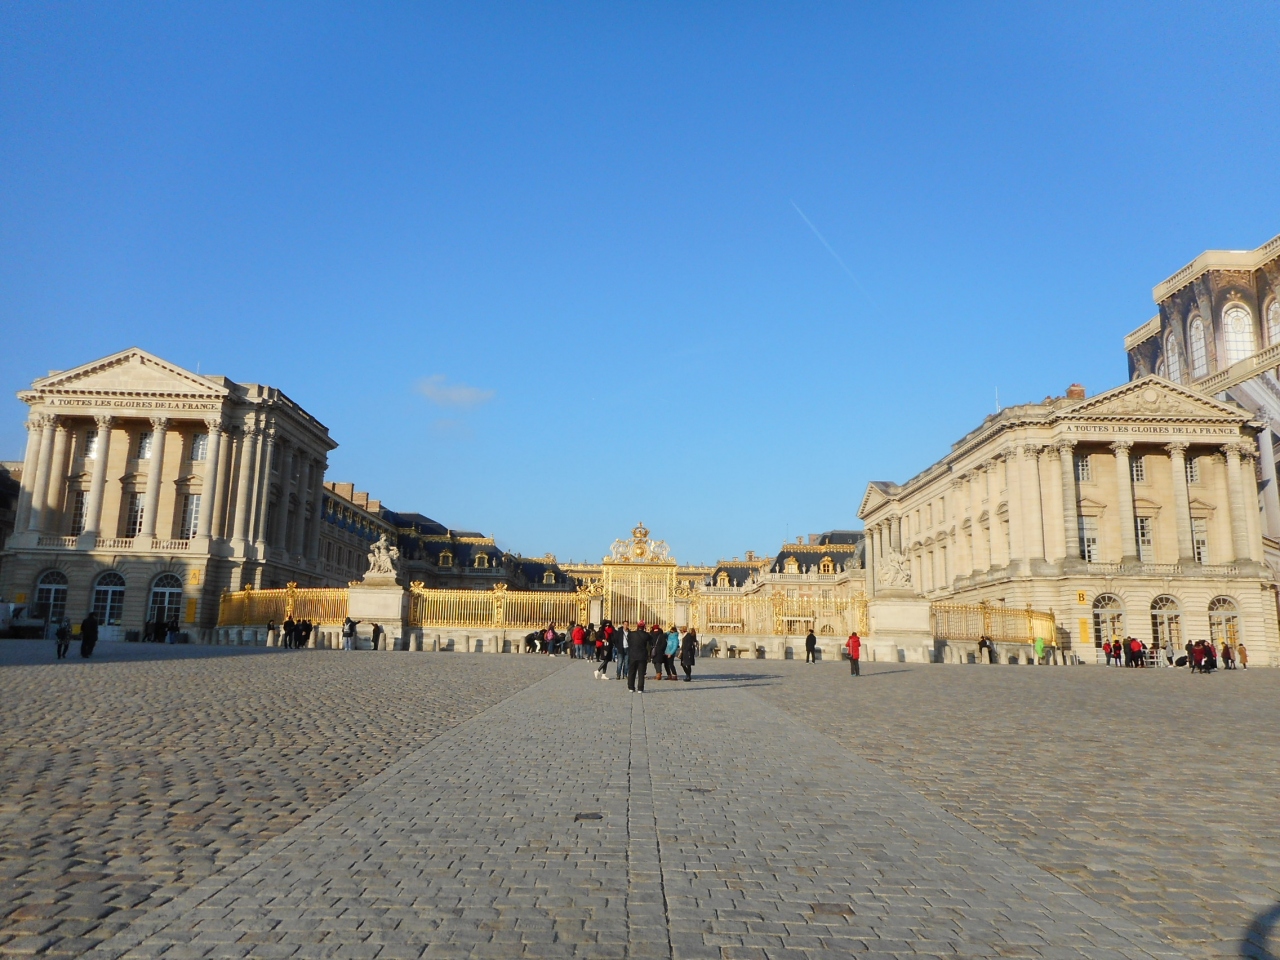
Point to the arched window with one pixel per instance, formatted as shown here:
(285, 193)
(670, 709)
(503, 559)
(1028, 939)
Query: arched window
(166, 599)
(549, 578)
(826, 566)
(51, 595)
(722, 579)
(1108, 619)
(1199, 355)
(482, 561)
(1273, 322)
(108, 598)
(791, 566)
(1224, 621)
(1237, 332)
(1166, 623)
(446, 558)
(1173, 360)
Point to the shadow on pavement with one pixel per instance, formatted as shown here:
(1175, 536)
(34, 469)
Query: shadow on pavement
(1260, 931)
(25, 653)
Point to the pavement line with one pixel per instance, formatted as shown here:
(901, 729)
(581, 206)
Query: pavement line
(161, 917)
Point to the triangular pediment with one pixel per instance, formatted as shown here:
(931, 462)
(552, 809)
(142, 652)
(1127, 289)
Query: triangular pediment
(1090, 506)
(875, 496)
(1152, 398)
(131, 372)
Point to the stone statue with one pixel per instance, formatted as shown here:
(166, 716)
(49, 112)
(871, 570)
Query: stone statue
(893, 571)
(383, 559)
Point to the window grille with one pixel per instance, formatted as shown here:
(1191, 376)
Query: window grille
(1199, 355)
(190, 515)
(199, 447)
(77, 513)
(1138, 470)
(1084, 469)
(133, 519)
(1089, 539)
(1193, 470)
(144, 446)
(1143, 528)
(1237, 332)
(1200, 539)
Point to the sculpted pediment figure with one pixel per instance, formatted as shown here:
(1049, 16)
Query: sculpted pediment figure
(131, 372)
(1151, 396)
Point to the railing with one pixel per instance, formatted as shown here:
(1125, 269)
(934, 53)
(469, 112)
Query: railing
(317, 604)
(114, 543)
(66, 543)
(498, 607)
(1161, 570)
(972, 621)
(170, 546)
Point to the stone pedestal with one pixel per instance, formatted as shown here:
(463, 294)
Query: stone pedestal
(380, 601)
(900, 629)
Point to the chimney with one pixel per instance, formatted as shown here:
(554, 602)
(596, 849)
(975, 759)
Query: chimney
(361, 498)
(814, 538)
(1076, 392)
(345, 490)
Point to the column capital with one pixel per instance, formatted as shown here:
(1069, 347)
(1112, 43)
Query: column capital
(214, 424)
(957, 482)
(1121, 446)
(1177, 448)
(1065, 447)
(159, 423)
(1032, 450)
(104, 421)
(1232, 450)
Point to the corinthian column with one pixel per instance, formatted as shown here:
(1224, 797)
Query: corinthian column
(317, 501)
(209, 488)
(1270, 491)
(1033, 518)
(248, 453)
(155, 472)
(35, 431)
(98, 482)
(1124, 487)
(980, 557)
(40, 489)
(264, 480)
(1181, 500)
(1070, 512)
(1235, 500)
(57, 480)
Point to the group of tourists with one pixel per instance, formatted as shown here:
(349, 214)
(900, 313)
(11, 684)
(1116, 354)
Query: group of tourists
(294, 634)
(160, 631)
(1202, 656)
(62, 634)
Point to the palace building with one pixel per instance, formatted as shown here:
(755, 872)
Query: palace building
(1133, 512)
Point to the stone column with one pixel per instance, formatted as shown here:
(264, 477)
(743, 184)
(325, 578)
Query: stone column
(1252, 515)
(1015, 487)
(981, 559)
(1270, 491)
(98, 482)
(209, 489)
(1070, 507)
(1051, 489)
(1236, 502)
(155, 477)
(287, 493)
(1181, 500)
(35, 431)
(240, 530)
(40, 489)
(1033, 501)
(218, 529)
(57, 480)
(1124, 486)
(264, 505)
(961, 563)
(317, 502)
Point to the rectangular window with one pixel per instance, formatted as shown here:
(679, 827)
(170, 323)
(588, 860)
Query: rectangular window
(1146, 549)
(1200, 538)
(928, 516)
(1089, 539)
(144, 446)
(942, 509)
(77, 513)
(1193, 470)
(190, 516)
(1084, 472)
(199, 447)
(1138, 470)
(133, 521)
(91, 445)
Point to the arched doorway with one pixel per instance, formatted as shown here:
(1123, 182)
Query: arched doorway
(1166, 630)
(1224, 621)
(1108, 620)
(166, 599)
(108, 604)
(51, 596)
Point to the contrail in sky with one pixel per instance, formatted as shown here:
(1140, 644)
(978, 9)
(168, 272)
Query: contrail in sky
(823, 240)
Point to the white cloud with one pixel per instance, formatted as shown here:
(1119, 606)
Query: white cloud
(439, 391)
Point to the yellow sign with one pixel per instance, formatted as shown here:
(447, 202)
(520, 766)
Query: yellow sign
(1080, 597)
(191, 611)
(1084, 630)
(194, 578)
(19, 598)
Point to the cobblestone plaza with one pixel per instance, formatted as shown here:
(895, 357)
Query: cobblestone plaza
(226, 802)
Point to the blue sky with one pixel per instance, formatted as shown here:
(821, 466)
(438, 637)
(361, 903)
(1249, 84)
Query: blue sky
(545, 270)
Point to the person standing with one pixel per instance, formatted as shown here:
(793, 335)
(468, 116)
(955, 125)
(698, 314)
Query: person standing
(579, 638)
(349, 634)
(1039, 648)
(619, 641)
(810, 647)
(672, 651)
(853, 647)
(638, 658)
(63, 637)
(657, 649)
(1106, 651)
(689, 653)
(171, 631)
(88, 634)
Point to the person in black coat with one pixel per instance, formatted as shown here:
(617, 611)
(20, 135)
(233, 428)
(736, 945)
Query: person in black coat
(810, 648)
(689, 653)
(638, 649)
(88, 634)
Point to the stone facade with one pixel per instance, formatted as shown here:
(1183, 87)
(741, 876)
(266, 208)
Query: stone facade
(148, 489)
(1132, 512)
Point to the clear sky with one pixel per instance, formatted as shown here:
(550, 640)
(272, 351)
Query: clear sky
(545, 270)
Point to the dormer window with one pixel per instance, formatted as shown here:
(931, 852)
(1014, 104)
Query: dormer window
(482, 561)
(791, 566)
(548, 578)
(826, 566)
(446, 559)
(722, 580)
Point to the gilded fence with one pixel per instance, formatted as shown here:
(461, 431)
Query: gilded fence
(317, 604)
(497, 608)
(972, 621)
(779, 615)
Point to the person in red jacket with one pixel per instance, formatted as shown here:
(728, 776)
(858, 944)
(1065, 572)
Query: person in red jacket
(578, 635)
(853, 646)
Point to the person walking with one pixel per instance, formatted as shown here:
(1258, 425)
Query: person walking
(349, 634)
(810, 647)
(657, 649)
(619, 643)
(1228, 657)
(1243, 654)
(171, 631)
(88, 634)
(637, 658)
(689, 653)
(672, 651)
(63, 637)
(853, 647)
(1039, 648)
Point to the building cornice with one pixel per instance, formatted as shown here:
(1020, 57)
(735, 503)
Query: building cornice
(1216, 260)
